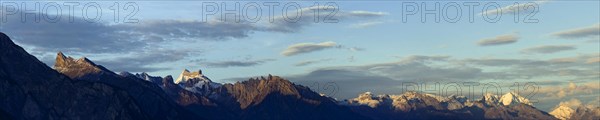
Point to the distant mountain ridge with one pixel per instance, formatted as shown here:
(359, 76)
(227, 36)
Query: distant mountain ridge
(414, 105)
(81, 89)
(196, 92)
(581, 112)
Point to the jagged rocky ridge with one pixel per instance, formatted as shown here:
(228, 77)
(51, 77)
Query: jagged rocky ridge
(260, 98)
(414, 105)
(29, 89)
(257, 98)
(149, 96)
(581, 112)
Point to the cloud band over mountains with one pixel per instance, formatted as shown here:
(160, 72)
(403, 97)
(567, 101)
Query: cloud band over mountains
(79, 36)
(545, 49)
(589, 31)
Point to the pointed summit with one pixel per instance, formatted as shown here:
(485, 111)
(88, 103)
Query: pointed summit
(145, 74)
(60, 57)
(62, 61)
(76, 68)
(562, 112)
(512, 98)
(490, 99)
(60, 54)
(187, 75)
(86, 61)
(5, 40)
(196, 82)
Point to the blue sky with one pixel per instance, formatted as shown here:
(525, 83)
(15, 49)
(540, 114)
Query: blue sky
(370, 42)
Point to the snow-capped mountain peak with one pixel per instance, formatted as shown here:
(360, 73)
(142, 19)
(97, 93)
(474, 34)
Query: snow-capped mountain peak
(562, 112)
(196, 82)
(187, 75)
(368, 99)
(512, 98)
(490, 99)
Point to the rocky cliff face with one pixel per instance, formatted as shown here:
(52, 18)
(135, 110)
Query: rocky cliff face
(267, 97)
(80, 68)
(258, 98)
(31, 90)
(194, 102)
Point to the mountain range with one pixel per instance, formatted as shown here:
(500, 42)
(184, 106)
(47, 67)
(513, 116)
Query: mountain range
(82, 89)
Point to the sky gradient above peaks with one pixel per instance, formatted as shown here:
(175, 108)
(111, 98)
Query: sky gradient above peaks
(358, 45)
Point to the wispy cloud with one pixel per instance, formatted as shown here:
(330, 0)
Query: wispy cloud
(302, 48)
(130, 43)
(510, 9)
(356, 49)
(310, 62)
(583, 32)
(546, 49)
(362, 13)
(499, 40)
(246, 63)
(85, 37)
(365, 24)
(78, 35)
(281, 24)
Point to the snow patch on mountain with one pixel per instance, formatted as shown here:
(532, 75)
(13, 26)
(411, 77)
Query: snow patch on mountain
(410, 100)
(367, 99)
(407, 101)
(512, 98)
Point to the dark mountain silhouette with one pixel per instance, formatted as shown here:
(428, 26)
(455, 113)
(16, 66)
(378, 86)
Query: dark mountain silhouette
(149, 96)
(31, 90)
